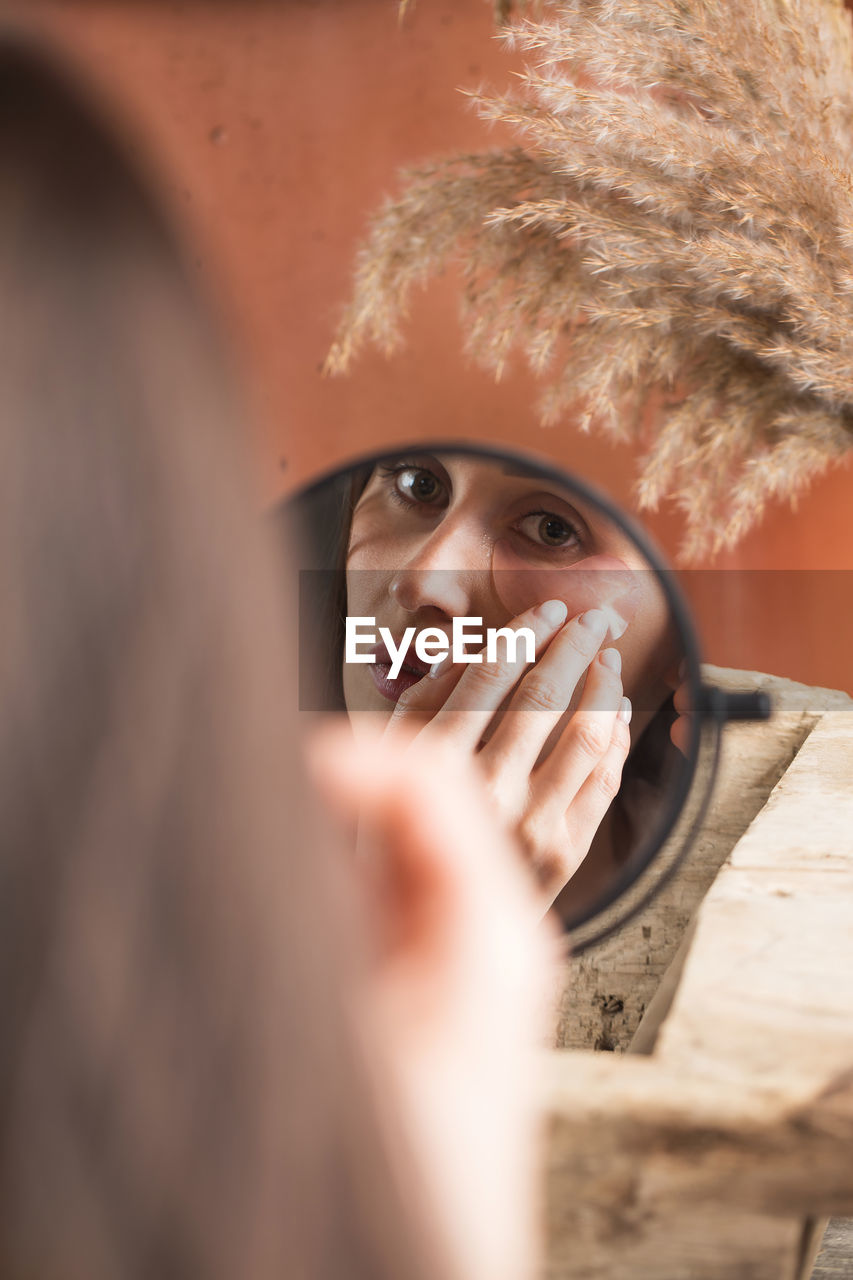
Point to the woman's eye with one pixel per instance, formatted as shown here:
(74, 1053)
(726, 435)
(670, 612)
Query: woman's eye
(549, 530)
(417, 485)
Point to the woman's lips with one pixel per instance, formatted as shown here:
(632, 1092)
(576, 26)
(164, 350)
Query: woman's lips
(412, 670)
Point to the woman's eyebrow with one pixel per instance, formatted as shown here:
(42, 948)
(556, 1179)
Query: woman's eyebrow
(519, 472)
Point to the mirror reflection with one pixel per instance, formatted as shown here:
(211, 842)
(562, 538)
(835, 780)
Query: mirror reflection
(504, 607)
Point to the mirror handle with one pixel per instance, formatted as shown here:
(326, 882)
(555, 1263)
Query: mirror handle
(722, 705)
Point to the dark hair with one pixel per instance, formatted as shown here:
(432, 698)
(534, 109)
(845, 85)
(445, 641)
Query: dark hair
(316, 523)
(182, 1092)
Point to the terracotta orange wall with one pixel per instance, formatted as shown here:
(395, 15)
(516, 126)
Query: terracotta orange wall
(275, 128)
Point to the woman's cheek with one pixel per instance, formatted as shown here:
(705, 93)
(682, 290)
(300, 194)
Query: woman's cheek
(651, 651)
(597, 582)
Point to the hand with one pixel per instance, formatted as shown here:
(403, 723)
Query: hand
(459, 990)
(504, 714)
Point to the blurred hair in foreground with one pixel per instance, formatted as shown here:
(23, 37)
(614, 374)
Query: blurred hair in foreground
(181, 1091)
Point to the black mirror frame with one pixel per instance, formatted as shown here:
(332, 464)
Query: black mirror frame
(705, 722)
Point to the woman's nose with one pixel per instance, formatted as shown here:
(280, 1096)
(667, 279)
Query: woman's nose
(449, 571)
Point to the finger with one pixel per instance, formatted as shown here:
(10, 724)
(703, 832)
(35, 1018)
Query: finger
(584, 741)
(679, 733)
(422, 701)
(683, 699)
(545, 695)
(444, 877)
(595, 797)
(587, 812)
(483, 686)
(419, 704)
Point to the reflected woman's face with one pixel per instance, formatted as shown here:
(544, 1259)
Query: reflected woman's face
(441, 536)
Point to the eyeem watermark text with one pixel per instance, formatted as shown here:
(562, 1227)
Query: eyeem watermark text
(464, 644)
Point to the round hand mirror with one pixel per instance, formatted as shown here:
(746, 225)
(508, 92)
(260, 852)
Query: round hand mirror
(503, 604)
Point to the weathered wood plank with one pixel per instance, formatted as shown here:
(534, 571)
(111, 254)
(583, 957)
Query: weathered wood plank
(628, 1121)
(708, 1158)
(767, 989)
(652, 1243)
(835, 1259)
(605, 992)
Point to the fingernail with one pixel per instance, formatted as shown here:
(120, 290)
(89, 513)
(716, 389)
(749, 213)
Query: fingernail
(618, 626)
(612, 659)
(625, 711)
(594, 620)
(553, 612)
(438, 668)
